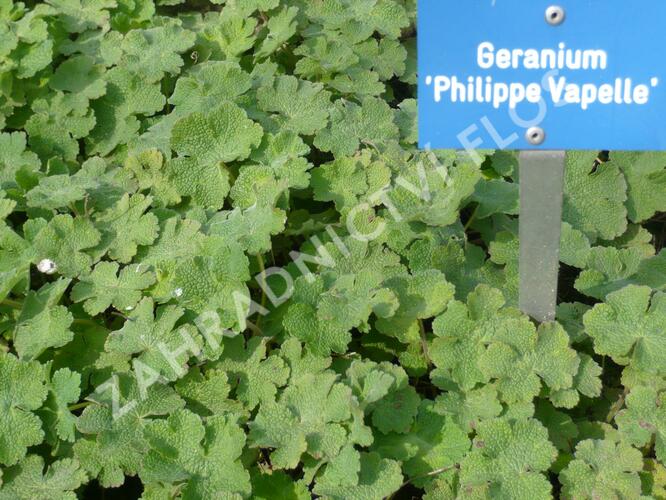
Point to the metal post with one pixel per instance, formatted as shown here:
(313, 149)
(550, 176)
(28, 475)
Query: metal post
(541, 192)
(541, 186)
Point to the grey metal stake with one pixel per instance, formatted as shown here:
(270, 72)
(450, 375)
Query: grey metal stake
(540, 223)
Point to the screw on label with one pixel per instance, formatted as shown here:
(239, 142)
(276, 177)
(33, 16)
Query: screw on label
(535, 135)
(555, 15)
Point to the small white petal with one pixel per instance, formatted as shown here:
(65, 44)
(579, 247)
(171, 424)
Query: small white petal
(47, 266)
(178, 292)
(129, 308)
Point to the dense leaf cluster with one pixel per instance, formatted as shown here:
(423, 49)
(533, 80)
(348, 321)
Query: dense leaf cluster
(227, 272)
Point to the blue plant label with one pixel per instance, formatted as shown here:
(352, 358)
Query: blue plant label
(576, 74)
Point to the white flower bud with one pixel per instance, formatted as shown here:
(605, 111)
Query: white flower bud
(47, 266)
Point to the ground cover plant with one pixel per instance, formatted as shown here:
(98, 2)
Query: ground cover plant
(226, 271)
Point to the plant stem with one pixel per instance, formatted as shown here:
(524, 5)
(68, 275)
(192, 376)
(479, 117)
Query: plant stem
(256, 331)
(617, 406)
(262, 268)
(78, 406)
(472, 218)
(88, 322)
(16, 304)
(428, 474)
(424, 343)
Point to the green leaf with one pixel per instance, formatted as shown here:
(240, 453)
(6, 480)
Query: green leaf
(30, 480)
(350, 181)
(42, 323)
(406, 119)
(594, 202)
(80, 15)
(256, 376)
(277, 485)
(206, 457)
(56, 125)
(508, 459)
(252, 228)
(414, 303)
(462, 332)
(429, 192)
(15, 158)
(150, 173)
(434, 442)
(64, 389)
(603, 469)
(208, 84)
(384, 392)
(496, 197)
(469, 408)
(213, 280)
(154, 52)
(313, 315)
(643, 419)
(631, 327)
(377, 478)
(59, 191)
(129, 226)
(80, 75)
(463, 264)
(207, 392)
(307, 417)
(522, 360)
(206, 184)
(611, 269)
(385, 16)
(247, 7)
(296, 105)
(22, 390)
(178, 239)
(104, 287)
(113, 443)
(574, 247)
(646, 180)
(352, 124)
(153, 335)
(281, 27)
(225, 134)
(226, 35)
(64, 241)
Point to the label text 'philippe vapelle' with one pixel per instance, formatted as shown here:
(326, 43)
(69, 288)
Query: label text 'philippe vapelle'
(485, 89)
